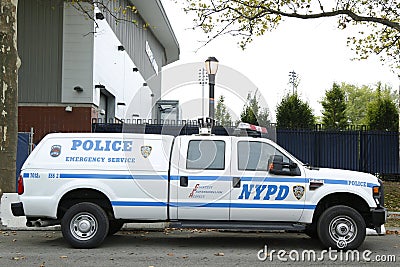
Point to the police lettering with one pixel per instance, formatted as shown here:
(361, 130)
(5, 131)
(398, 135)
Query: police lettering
(102, 145)
(357, 183)
(264, 192)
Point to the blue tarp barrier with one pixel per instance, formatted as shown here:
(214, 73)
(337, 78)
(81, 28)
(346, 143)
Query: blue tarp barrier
(22, 153)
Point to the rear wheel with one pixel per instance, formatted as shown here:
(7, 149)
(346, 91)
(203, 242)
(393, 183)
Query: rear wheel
(85, 225)
(341, 227)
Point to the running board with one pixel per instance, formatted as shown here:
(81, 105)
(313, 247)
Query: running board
(229, 225)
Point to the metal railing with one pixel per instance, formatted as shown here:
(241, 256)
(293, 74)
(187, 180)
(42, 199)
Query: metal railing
(357, 148)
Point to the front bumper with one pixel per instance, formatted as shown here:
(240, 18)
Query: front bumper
(379, 216)
(17, 209)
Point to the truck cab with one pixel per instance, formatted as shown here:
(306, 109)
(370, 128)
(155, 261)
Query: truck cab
(229, 179)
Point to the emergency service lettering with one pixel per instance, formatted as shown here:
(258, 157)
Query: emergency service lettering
(102, 145)
(280, 192)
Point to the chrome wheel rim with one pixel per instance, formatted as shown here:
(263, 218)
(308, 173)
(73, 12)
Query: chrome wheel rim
(83, 226)
(343, 230)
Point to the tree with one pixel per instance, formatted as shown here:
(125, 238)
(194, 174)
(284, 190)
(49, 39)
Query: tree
(263, 117)
(293, 113)
(382, 113)
(357, 98)
(8, 98)
(222, 115)
(334, 105)
(380, 32)
(9, 66)
(252, 112)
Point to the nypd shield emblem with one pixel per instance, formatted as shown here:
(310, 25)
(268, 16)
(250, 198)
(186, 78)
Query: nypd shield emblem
(146, 151)
(55, 151)
(298, 191)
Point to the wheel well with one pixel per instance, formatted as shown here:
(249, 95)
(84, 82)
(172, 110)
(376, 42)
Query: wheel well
(84, 195)
(346, 199)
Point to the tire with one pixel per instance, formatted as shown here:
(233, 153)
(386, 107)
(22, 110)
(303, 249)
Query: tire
(85, 225)
(341, 227)
(115, 226)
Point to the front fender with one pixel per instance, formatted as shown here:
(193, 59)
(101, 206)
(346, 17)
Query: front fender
(314, 197)
(320, 193)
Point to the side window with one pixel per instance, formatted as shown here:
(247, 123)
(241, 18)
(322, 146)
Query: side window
(254, 155)
(206, 155)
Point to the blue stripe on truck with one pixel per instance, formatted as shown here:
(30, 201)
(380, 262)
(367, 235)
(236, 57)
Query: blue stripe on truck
(200, 178)
(111, 176)
(211, 205)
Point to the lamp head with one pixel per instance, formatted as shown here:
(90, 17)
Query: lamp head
(211, 65)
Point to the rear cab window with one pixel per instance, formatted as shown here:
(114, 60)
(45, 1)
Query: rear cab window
(206, 155)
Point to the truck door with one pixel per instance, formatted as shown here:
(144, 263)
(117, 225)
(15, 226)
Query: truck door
(203, 182)
(259, 195)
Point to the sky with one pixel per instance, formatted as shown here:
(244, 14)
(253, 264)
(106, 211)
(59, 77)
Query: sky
(316, 50)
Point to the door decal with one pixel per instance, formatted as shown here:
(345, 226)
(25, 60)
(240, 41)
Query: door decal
(298, 191)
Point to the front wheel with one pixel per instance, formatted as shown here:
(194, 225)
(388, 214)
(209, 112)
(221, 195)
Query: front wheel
(341, 227)
(85, 225)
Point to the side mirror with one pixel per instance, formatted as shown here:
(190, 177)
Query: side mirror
(278, 167)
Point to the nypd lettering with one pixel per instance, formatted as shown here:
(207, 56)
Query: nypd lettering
(264, 192)
(102, 145)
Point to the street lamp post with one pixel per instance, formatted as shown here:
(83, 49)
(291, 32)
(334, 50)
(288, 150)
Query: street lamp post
(203, 80)
(211, 68)
(292, 80)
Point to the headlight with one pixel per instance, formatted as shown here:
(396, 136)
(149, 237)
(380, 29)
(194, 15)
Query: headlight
(377, 193)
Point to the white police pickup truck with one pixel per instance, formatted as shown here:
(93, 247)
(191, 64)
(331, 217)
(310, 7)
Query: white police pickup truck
(92, 184)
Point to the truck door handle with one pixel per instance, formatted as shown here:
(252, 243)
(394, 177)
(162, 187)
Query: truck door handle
(184, 181)
(236, 182)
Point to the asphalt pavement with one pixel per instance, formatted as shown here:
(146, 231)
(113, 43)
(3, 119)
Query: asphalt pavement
(189, 248)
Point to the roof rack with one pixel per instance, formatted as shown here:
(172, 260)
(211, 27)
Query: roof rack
(205, 127)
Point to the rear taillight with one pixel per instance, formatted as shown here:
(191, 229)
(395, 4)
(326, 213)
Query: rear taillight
(20, 185)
